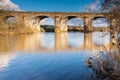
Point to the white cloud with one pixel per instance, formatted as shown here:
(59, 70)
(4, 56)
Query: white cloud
(93, 7)
(8, 5)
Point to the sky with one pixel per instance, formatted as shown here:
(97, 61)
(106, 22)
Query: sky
(53, 5)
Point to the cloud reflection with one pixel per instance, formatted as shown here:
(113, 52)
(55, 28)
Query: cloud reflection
(5, 60)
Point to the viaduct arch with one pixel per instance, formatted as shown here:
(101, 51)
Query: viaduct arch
(32, 19)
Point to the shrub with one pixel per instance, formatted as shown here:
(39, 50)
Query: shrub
(105, 65)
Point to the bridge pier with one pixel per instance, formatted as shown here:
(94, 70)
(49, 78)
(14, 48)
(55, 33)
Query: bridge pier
(21, 26)
(2, 21)
(64, 27)
(26, 22)
(113, 25)
(32, 24)
(113, 41)
(61, 24)
(37, 25)
(19, 21)
(87, 24)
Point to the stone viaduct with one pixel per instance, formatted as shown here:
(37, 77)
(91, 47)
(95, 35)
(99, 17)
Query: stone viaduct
(32, 19)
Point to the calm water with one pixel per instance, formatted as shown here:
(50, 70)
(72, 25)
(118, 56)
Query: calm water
(49, 56)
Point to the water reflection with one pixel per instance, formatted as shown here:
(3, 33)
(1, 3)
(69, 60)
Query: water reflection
(47, 40)
(5, 60)
(61, 41)
(50, 56)
(55, 41)
(101, 38)
(76, 39)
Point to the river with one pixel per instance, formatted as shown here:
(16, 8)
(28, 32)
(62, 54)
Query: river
(50, 56)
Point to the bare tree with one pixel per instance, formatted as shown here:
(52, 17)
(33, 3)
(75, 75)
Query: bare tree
(113, 6)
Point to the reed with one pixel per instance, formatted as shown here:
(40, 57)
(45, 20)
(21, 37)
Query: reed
(105, 66)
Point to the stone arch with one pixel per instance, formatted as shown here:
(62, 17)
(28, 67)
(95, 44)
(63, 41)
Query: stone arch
(36, 21)
(10, 19)
(9, 22)
(100, 21)
(48, 24)
(75, 23)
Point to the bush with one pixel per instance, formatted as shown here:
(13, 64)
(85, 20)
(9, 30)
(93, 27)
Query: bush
(105, 65)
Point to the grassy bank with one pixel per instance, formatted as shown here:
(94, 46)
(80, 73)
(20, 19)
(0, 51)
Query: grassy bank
(105, 66)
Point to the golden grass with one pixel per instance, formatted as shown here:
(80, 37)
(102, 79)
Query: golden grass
(105, 65)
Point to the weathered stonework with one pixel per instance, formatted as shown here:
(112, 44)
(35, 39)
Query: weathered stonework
(32, 19)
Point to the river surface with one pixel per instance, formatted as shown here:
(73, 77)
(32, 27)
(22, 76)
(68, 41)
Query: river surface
(50, 56)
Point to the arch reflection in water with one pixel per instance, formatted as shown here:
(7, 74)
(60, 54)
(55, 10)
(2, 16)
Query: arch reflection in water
(54, 41)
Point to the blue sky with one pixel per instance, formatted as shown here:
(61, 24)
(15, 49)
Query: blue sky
(53, 5)
(59, 6)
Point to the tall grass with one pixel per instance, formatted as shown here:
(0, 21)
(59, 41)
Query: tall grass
(105, 66)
